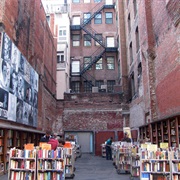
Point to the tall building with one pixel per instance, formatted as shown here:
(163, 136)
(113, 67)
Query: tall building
(57, 14)
(94, 46)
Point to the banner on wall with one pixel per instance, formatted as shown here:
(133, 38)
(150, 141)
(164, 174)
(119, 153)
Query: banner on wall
(18, 85)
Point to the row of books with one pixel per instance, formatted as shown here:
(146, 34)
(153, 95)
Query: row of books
(59, 153)
(50, 164)
(23, 164)
(50, 175)
(156, 166)
(23, 153)
(21, 175)
(155, 154)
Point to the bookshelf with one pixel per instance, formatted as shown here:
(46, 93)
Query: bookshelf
(173, 132)
(154, 133)
(78, 150)
(145, 132)
(22, 164)
(17, 140)
(103, 150)
(159, 133)
(1, 151)
(50, 164)
(69, 160)
(175, 164)
(135, 162)
(167, 131)
(124, 159)
(154, 164)
(8, 144)
(12, 138)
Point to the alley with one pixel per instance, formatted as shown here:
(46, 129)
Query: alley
(90, 167)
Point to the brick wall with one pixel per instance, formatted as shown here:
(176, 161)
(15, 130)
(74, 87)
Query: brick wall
(95, 112)
(158, 29)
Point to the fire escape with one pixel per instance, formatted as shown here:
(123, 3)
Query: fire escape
(95, 57)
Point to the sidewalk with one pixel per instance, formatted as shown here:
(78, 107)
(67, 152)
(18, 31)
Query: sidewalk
(90, 167)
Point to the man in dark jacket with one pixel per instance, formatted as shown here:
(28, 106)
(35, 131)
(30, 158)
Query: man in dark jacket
(108, 149)
(126, 138)
(46, 137)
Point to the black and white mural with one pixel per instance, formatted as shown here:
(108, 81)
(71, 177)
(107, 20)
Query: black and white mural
(18, 85)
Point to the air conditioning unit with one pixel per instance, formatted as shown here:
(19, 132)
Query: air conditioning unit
(104, 88)
(58, 10)
(69, 91)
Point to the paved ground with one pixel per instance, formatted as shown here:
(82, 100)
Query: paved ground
(90, 167)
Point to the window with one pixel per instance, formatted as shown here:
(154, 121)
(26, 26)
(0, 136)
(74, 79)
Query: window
(139, 73)
(76, 20)
(110, 41)
(129, 23)
(62, 33)
(99, 83)
(87, 40)
(137, 40)
(48, 19)
(75, 67)
(110, 62)
(130, 53)
(132, 85)
(87, 86)
(75, 1)
(99, 37)
(87, 61)
(75, 86)
(97, 1)
(76, 39)
(109, 18)
(99, 64)
(60, 57)
(110, 85)
(135, 7)
(98, 18)
(87, 1)
(87, 17)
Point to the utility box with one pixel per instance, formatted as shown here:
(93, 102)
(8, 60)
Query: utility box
(95, 89)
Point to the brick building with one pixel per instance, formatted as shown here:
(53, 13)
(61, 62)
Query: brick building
(124, 69)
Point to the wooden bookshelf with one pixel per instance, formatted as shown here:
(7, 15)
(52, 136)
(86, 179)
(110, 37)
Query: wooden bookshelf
(173, 132)
(167, 131)
(1, 151)
(12, 138)
(154, 133)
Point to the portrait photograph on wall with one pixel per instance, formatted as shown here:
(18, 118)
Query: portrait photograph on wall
(18, 85)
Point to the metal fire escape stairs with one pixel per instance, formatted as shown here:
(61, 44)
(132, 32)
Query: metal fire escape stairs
(85, 26)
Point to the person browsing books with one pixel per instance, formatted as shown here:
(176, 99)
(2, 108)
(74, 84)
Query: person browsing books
(108, 149)
(126, 138)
